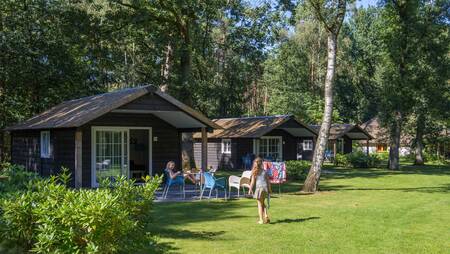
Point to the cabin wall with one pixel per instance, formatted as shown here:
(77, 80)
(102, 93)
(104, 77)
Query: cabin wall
(347, 145)
(290, 145)
(167, 147)
(243, 146)
(307, 154)
(25, 151)
(216, 159)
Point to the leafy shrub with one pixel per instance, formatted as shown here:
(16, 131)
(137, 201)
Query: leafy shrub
(341, 160)
(51, 218)
(357, 159)
(17, 178)
(434, 158)
(382, 156)
(297, 170)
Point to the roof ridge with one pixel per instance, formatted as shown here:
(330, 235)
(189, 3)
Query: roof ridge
(250, 117)
(105, 93)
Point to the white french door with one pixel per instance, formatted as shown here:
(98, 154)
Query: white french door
(109, 153)
(269, 147)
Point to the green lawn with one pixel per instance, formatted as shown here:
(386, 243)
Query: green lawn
(357, 211)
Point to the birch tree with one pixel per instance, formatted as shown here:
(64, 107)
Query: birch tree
(331, 14)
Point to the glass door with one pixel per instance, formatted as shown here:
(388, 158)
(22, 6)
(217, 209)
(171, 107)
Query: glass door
(110, 154)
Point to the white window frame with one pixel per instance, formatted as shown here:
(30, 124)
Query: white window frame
(308, 145)
(46, 152)
(226, 149)
(256, 145)
(94, 129)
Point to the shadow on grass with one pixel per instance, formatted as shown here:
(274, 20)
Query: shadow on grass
(169, 216)
(331, 173)
(295, 220)
(187, 234)
(423, 189)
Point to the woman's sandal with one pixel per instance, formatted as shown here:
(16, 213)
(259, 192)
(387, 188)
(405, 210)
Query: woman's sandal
(260, 222)
(266, 220)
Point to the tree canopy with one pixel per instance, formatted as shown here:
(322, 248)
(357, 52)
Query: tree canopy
(230, 57)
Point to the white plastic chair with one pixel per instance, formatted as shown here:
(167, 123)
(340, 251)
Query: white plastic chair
(239, 182)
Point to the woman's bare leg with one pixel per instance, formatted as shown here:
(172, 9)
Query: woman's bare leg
(260, 210)
(190, 177)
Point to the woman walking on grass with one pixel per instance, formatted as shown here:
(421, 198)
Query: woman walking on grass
(262, 190)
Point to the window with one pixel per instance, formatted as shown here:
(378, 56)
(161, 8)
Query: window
(307, 145)
(110, 153)
(45, 144)
(226, 146)
(269, 148)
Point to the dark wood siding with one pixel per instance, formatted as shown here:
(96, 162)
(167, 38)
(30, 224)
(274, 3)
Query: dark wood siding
(214, 153)
(307, 154)
(26, 151)
(243, 146)
(64, 151)
(216, 158)
(289, 144)
(347, 145)
(165, 149)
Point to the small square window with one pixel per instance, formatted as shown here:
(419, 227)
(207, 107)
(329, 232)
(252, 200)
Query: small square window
(226, 146)
(307, 145)
(45, 144)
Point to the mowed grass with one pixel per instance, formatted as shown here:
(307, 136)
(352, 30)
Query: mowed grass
(356, 211)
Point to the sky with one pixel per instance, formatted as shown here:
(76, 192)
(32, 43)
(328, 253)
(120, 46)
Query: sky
(359, 3)
(365, 3)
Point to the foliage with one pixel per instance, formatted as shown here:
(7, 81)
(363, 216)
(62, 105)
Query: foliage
(49, 217)
(434, 158)
(357, 159)
(297, 169)
(17, 178)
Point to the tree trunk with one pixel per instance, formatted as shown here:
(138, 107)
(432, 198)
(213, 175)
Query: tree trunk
(166, 68)
(312, 181)
(394, 149)
(419, 140)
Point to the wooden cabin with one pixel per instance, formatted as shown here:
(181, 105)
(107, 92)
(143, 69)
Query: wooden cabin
(342, 137)
(276, 138)
(132, 132)
(380, 138)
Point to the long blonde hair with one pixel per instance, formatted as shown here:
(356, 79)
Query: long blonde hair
(257, 166)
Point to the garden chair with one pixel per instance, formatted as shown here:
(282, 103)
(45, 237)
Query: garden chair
(239, 182)
(212, 170)
(168, 182)
(213, 183)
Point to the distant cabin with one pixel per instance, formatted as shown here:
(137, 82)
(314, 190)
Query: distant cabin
(343, 136)
(132, 132)
(275, 138)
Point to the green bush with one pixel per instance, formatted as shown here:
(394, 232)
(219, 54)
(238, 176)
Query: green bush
(17, 178)
(357, 159)
(434, 158)
(341, 160)
(49, 217)
(297, 170)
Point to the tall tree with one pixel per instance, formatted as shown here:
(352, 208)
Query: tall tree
(431, 100)
(331, 14)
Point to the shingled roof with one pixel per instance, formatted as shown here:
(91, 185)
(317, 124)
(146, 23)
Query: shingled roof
(75, 113)
(339, 130)
(255, 126)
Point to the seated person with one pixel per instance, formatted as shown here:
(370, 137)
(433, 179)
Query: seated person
(170, 169)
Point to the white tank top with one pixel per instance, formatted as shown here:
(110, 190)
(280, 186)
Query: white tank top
(261, 180)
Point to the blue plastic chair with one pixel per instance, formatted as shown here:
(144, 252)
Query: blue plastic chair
(213, 183)
(168, 182)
